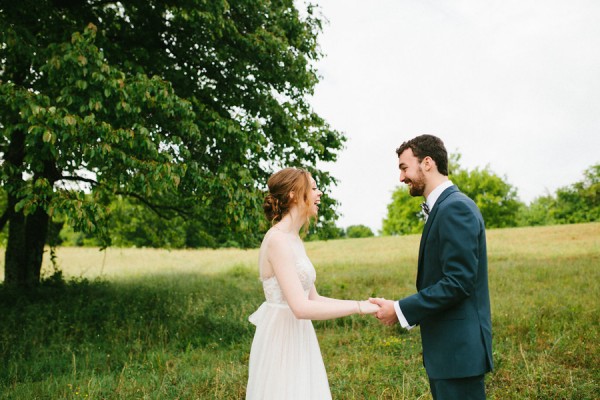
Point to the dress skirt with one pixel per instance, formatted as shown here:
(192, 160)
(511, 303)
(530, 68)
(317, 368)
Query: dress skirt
(285, 358)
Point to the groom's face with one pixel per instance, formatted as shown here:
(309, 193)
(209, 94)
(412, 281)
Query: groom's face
(411, 173)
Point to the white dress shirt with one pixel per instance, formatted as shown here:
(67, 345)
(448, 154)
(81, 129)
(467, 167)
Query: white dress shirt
(433, 196)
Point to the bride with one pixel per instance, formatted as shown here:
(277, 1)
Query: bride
(285, 359)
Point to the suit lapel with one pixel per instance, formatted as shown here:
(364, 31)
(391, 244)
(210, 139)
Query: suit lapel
(428, 224)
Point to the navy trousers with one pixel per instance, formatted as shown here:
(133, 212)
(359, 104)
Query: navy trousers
(471, 388)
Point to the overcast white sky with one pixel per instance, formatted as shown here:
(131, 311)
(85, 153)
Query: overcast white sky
(513, 84)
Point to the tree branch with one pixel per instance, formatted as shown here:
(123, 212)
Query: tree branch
(158, 209)
(77, 178)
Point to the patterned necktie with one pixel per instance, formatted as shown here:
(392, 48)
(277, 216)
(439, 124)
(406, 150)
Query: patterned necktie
(425, 208)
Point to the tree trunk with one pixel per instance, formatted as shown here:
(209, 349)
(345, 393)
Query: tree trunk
(36, 232)
(25, 248)
(26, 235)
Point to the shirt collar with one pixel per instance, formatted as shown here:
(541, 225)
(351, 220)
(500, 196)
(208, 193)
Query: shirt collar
(435, 193)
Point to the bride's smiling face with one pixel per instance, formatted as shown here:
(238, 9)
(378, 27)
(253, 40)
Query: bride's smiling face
(314, 199)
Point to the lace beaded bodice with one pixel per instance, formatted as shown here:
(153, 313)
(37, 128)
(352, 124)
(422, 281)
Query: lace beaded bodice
(306, 273)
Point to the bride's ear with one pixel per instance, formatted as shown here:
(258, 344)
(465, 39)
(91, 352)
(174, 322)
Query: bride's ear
(291, 195)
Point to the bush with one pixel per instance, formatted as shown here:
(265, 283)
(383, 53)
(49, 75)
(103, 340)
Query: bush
(359, 231)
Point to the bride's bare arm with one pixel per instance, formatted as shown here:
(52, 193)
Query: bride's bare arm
(365, 305)
(315, 307)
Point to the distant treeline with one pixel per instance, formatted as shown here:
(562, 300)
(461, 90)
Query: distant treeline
(499, 202)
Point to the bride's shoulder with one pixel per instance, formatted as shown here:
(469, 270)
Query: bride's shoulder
(274, 238)
(277, 241)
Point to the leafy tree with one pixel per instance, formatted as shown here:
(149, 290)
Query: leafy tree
(325, 231)
(538, 212)
(132, 225)
(497, 199)
(184, 106)
(579, 202)
(70, 132)
(359, 231)
(404, 214)
(576, 203)
(324, 228)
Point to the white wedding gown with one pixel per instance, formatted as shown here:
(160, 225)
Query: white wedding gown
(285, 359)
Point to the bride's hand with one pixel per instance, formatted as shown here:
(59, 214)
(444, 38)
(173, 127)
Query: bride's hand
(366, 307)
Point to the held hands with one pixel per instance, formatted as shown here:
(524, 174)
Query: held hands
(366, 307)
(387, 313)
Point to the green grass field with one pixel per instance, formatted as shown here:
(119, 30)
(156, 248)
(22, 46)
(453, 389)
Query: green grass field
(159, 324)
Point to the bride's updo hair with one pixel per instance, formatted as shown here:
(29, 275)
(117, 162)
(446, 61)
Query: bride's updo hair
(278, 201)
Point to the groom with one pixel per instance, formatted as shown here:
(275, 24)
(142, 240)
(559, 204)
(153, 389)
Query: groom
(452, 305)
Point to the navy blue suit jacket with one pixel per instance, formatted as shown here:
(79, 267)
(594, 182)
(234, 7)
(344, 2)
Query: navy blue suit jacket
(452, 305)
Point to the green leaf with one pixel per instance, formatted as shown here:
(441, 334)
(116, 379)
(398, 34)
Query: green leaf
(69, 120)
(47, 136)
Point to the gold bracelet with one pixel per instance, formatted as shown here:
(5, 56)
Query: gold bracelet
(359, 309)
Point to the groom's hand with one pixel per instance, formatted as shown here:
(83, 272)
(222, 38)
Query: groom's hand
(386, 314)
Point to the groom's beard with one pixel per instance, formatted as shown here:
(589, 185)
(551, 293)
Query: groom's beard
(416, 187)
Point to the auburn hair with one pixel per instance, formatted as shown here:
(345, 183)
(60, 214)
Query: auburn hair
(281, 185)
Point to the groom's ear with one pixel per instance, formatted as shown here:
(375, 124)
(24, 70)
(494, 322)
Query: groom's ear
(429, 164)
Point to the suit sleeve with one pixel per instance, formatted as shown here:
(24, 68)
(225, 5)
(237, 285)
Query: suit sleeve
(454, 263)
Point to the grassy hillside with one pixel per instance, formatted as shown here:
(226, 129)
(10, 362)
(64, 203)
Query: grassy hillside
(158, 324)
